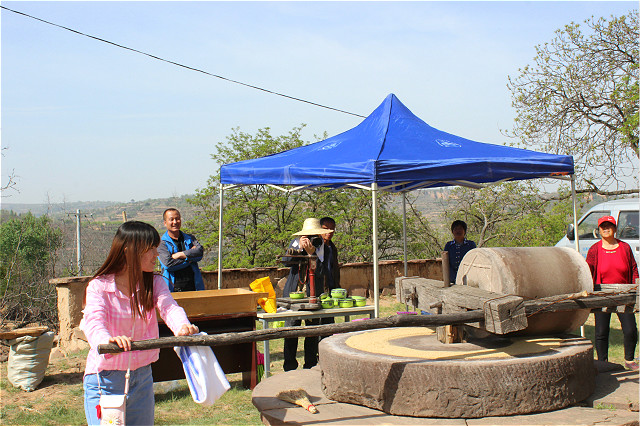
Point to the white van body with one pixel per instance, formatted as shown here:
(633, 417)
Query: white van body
(625, 211)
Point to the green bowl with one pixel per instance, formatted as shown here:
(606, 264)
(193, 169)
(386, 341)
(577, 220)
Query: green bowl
(336, 302)
(360, 302)
(346, 303)
(339, 293)
(324, 296)
(296, 295)
(327, 304)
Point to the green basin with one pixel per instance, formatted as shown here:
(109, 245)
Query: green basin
(327, 304)
(346, 303)
(339, 293)
(296, 295)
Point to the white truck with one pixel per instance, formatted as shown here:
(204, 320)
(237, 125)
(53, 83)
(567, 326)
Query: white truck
(625, 211)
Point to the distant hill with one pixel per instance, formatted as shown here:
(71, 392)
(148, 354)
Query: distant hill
(429, 201)
(149, 210)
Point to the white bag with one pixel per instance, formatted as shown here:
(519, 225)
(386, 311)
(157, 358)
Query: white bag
(28, 360)
(113, 409)
(205, 377)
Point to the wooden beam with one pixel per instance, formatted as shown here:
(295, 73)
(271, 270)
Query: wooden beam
(502, 313)
(596, 301)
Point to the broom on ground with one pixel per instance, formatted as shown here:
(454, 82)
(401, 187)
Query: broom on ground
(298, 397)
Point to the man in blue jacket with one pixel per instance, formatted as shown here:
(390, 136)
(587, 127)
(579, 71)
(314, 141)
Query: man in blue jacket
(179, 254)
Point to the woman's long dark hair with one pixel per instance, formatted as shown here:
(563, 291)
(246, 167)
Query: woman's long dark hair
(132, 240)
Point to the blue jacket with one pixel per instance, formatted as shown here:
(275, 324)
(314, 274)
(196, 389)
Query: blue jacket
(169, 265)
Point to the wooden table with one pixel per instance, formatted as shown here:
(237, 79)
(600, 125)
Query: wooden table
(267, 318)
(238, 358)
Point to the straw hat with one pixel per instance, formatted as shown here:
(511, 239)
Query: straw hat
(311, 226)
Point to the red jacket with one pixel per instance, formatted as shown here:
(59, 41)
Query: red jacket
(592, 261)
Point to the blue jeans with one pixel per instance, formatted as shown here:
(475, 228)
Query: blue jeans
(140, 402)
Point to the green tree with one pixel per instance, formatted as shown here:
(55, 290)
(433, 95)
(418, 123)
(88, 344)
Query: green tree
(512, 214)
(580, 98)
(28, 247)
(259, 220)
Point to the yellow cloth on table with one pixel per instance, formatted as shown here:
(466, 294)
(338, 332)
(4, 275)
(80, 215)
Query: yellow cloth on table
(263, 285)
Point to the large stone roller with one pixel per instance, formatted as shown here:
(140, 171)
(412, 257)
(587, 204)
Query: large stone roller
(531, 273)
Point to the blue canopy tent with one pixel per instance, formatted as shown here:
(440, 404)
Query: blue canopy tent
(392, 150)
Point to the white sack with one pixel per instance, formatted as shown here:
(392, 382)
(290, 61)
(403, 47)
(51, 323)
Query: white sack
(28, 360)
(206, 379)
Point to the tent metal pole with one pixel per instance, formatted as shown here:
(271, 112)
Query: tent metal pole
(575, 227)
(404, 231)
(220, 237)
(575, 212)
(376, 278)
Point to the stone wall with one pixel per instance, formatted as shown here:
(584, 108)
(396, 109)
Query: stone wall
(357, 278)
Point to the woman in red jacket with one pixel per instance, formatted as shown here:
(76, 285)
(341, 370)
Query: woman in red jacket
(611, 262)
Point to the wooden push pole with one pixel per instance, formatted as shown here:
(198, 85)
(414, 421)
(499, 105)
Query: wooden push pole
(566, 302)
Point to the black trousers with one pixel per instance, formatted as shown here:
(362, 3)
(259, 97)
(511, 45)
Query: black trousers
(629, 332)
(310, 345)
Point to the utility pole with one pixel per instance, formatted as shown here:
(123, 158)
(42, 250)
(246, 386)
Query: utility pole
(78, 239)
(79, 247)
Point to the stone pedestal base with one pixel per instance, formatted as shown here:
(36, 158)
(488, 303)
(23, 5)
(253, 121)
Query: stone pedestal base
(407, 372)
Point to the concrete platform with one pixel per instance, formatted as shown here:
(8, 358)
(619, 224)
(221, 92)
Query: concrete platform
(614, 390)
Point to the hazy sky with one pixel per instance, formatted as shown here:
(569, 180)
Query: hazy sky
(83, 120)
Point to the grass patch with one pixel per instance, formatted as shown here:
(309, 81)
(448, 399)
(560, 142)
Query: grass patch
(601, 406)
(233, 408)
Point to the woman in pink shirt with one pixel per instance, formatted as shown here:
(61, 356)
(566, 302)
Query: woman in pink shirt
(119, 307)
(611, 262)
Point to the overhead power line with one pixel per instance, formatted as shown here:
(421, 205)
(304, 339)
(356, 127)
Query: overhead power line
(179, 64)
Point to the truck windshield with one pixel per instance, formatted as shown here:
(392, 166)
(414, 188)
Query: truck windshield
(628, 225)
(588, 228)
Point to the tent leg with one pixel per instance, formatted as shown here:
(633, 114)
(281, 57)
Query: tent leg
(404, 231)
(575, 212)
(220, 237)
(376, 278)
(575, 226)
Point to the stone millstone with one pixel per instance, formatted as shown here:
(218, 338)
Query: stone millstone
(407, 372)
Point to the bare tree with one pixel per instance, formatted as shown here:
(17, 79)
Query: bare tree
(580, 98)
(10, 182)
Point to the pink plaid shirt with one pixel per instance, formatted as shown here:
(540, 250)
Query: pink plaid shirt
(107, 313)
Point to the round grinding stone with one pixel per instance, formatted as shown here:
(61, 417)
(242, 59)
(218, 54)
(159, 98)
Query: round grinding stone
(405, 371)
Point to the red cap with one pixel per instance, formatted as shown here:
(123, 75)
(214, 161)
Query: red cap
(607, 219)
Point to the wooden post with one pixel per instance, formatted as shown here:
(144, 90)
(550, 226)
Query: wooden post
(446, 277)
(448, 333)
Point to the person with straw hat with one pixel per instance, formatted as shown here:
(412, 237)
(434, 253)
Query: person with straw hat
(308, 241)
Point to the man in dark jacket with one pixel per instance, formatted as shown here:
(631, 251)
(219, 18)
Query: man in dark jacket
(325, 274)
(179, 254)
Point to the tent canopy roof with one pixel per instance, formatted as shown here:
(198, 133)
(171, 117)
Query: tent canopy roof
(399, 152)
